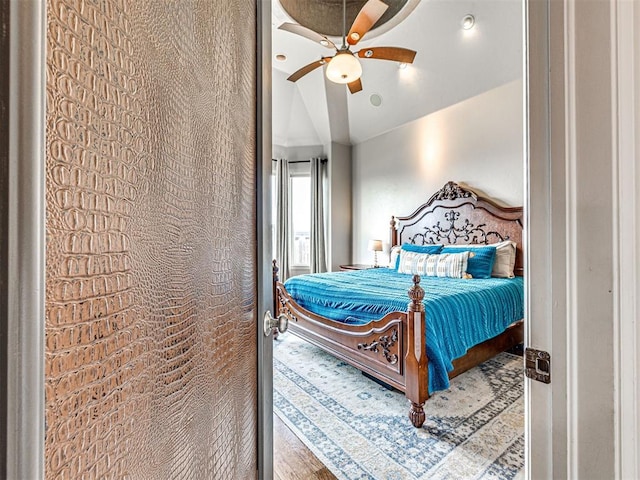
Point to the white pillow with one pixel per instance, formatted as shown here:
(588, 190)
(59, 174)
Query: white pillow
(393, 255)
(453, 265)
(505, 257)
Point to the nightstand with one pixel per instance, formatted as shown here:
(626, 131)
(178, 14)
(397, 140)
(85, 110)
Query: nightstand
(356, 266)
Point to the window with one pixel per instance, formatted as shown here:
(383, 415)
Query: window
(300, 244)
(299, 215)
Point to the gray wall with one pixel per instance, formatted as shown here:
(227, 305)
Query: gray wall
(478, 143)
(339, 201)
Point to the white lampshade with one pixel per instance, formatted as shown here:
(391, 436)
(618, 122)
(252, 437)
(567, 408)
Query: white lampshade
(344, 68)
(375, 246)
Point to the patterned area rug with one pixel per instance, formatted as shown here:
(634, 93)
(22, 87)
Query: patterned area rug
(360, 430)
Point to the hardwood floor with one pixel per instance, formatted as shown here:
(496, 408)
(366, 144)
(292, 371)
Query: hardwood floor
(292, 460)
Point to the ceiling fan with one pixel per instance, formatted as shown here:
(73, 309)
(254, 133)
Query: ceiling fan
(344, 66)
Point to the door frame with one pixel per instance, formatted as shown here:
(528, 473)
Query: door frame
(581, 194)
(263, 238)
(544, 198)
(550, 27)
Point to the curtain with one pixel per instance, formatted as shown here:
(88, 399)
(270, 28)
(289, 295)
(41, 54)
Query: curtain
(318, 262)
(283, 225)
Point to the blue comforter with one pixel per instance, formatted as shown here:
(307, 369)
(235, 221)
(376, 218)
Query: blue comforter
(460, 313)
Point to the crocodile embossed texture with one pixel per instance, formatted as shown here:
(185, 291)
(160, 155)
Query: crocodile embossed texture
(151, 267)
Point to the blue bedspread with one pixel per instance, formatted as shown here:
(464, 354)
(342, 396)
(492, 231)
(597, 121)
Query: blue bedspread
(460, 313)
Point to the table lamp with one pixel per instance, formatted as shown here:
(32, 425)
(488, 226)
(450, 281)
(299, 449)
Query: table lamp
(375, 246)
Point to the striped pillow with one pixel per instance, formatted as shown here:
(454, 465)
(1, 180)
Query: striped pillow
(453, 265)
(410, 247)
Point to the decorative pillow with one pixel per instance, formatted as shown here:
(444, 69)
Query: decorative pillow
(452, 265)
(481, 265)
(394, 256)
(505, 257)
(410, 247)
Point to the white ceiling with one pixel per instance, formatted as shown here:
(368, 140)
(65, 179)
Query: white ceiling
(451, 65)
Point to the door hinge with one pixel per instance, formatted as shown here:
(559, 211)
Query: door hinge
(537, 365)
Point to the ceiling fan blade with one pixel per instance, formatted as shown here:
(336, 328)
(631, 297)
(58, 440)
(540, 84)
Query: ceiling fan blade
(355, 86)
(367, 17)
(307, 33)
(396, 54)
(295, 76)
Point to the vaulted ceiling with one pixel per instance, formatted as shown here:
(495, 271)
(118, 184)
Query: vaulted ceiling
(452, 65)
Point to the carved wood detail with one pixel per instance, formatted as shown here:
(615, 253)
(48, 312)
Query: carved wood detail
(456, 216)
(417, 415)
(451, 191)
(385, 342)
(466, 233)
(416, 361)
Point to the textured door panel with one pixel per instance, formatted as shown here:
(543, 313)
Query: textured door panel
(151, 267)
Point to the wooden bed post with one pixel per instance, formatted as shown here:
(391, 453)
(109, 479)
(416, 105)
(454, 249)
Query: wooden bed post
(275, 280)
(416, 364)
(393, 239)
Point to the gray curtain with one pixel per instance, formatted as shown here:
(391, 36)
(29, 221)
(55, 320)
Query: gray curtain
(318, 261)
(283, 224)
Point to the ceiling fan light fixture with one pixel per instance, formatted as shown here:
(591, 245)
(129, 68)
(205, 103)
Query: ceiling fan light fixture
(344, 68)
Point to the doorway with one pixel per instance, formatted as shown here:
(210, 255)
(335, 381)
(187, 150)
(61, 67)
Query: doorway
(379, 161)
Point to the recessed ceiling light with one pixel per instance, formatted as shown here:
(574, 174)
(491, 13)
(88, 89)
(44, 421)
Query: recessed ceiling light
(280, 57)
(324, 43)
(375, 99)
(355, 36)
(402, 65)
(468, 21)
(368, 53)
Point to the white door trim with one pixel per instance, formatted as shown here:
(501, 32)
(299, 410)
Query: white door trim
(26, 314)
(545, 237)
(591, 188)
(626, 71)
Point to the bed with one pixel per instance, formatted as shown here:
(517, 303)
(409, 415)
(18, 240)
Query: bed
(416, 332)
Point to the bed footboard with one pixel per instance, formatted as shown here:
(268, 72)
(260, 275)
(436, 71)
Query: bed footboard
(391, 349)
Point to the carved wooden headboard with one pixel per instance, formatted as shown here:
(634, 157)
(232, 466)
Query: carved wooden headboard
(456, 215)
